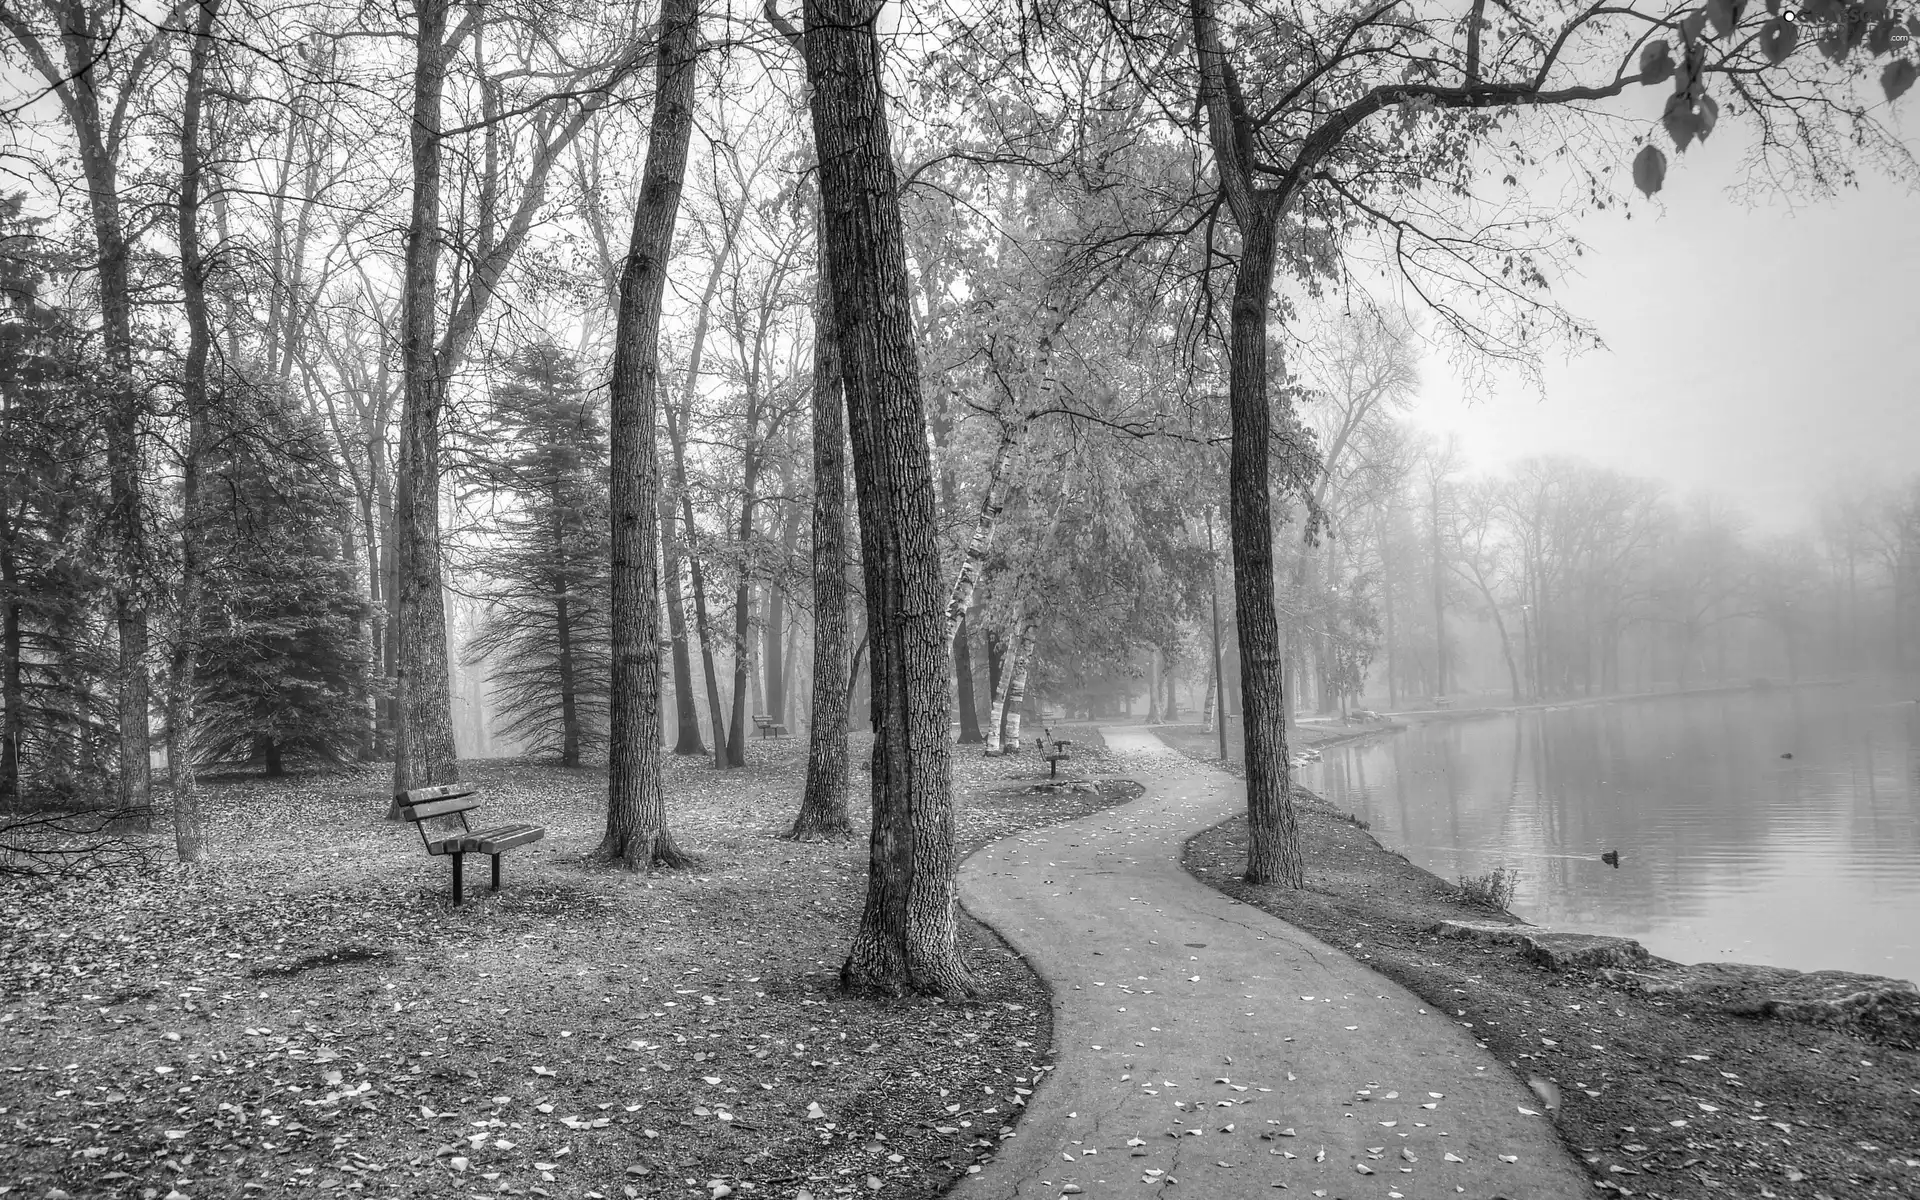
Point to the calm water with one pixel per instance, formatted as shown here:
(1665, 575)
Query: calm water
(1727, 850)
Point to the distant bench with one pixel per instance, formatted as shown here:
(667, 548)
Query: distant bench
(421, 805)
(1058, 756)
(767, 726)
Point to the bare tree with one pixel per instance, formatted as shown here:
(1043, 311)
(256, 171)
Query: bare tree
(637, 837)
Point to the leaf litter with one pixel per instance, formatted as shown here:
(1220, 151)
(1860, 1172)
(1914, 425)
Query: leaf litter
(307, 1012)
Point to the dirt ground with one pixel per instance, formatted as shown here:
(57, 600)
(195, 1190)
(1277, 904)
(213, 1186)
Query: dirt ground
(309, 1014)
(1664, 1097)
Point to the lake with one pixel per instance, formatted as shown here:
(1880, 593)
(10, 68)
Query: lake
(1728, 851)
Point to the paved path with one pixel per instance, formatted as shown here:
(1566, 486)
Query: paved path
(1200, 1040)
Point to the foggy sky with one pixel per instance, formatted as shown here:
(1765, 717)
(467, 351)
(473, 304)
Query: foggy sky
(1756, 353)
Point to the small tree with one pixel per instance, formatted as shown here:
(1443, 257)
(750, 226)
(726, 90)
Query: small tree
(281, 636)
(544, 637)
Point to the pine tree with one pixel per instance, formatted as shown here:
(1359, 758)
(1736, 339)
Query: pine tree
(55, 734)
(544, 639)
(284, 659)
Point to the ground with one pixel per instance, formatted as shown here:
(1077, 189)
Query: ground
(1661, 1097)
(308, 1014)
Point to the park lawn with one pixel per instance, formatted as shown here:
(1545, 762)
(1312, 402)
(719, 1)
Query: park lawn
(1665, 1097)
(307, 1014)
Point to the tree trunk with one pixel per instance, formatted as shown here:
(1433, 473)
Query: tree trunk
(993, 498)
(1440, 672)
(996, 663)
(569, 686)
(423, 750)
(637, 837)
(12, 694)
(963, 686)
(773, 646)
(1169, 706)
(687, 715)
(908, 938)
(1153, 687)
(743, 609)
(823, 805)
(1006, 709)
(1273, 844)
(189, 826)
(76, 86)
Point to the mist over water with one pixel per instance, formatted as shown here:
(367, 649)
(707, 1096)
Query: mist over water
(1728, 851)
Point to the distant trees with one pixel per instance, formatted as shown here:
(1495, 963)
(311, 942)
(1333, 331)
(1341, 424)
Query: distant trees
(543, 639)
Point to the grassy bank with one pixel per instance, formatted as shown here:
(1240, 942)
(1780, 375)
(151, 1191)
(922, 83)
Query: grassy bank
(1661, 1096)
(309, 1015)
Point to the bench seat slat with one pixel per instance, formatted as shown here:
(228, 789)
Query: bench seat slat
(493, 841)
(445, 844)
(444, 791)
(437, 808)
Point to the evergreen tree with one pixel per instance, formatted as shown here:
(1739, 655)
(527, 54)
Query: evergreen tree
(283, 656)
(55, 734)
(544, 639)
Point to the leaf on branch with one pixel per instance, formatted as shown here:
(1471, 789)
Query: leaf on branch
(1898, 77)
(1649, 169)
(1679, 121)
(1723, 16)
(1656, 61)
(1778, 38)
(1691, 25)
(1706, 114)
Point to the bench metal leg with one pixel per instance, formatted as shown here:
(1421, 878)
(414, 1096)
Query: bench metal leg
(458, 857)
(496, 872)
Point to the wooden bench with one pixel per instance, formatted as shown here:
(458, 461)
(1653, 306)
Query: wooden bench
(1058, 756)
(767, 726)
(421, 805)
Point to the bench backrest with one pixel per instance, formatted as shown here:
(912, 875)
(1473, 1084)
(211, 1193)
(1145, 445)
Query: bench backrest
(420, 804)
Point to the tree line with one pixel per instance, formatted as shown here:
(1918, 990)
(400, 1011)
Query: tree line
(603, 315)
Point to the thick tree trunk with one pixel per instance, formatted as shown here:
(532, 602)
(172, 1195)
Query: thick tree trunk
(908, 937)
(1273, 844)
(823, 805)
(637, 837)
(424, 749)
(963, 686)
(189, 827)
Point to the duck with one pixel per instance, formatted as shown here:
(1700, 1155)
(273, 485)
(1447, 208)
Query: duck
(1789, 754)
(1612, 859)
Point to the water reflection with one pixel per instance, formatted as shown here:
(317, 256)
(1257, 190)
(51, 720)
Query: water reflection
(1728, 848)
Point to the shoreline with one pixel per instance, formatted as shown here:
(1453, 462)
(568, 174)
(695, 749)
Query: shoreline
(1660, 1090)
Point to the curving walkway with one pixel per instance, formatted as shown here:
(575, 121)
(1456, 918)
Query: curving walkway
(1200, 1040)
